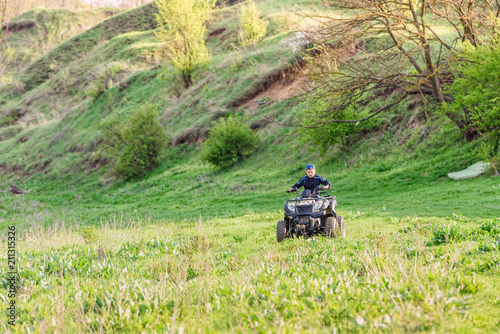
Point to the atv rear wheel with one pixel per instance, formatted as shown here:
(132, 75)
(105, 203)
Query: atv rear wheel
(340, 227)
(281, 230)
(329, 226)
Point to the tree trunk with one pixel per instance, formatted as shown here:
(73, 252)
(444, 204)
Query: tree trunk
(467, 24)
(436, 86)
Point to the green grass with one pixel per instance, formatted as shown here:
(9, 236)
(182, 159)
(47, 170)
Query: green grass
(39, 71)
(373, 177)
(231, 275)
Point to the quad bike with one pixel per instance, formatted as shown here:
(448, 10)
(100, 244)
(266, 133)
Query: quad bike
(309, 216)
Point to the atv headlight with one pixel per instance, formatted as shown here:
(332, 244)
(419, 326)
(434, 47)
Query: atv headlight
(290, 206)
(320, 205)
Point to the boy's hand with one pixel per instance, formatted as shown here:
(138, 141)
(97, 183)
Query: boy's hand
(327, 187)
(290, 190)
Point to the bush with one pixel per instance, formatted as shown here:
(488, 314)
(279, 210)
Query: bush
(135, 146)
(490, 153)
(252, 27)
(230, 141)
(476, 87)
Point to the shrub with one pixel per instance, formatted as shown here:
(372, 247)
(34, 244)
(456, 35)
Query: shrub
(252, 27)
(230, 141)
(103, 82)
(135, 146)
(476, 87)
(488, 152)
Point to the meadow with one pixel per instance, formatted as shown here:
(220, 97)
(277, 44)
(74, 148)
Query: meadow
(134, 274)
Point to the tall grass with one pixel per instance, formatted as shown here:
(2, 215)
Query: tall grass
(226, 275)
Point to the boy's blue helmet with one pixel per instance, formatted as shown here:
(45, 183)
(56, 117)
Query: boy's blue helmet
(311, 166)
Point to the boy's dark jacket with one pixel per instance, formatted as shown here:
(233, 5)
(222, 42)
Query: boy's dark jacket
(311, 183)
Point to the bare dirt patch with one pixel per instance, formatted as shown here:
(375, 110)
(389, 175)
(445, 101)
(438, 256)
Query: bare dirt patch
(191, 136)
(293, 79)
(216, 32)
(281, 85)
(16, 27)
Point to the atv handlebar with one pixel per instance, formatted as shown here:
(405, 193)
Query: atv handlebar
(295, 190)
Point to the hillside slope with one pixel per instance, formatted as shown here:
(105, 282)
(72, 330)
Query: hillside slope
(110, 69)
(37, 31)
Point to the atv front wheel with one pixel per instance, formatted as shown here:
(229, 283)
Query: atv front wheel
(281, 230)
(329, 226)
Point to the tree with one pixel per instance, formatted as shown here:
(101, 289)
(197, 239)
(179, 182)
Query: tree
(183, 30)
(390, 47)
(252, 27)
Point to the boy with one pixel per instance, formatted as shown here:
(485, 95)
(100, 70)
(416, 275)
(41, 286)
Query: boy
(310, 182)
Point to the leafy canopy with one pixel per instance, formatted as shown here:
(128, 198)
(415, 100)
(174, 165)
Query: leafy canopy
(476, 87)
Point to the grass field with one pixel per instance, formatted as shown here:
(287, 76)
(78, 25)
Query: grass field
(230, 275)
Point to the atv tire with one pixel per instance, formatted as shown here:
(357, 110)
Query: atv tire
(340, 227)
(281, 230)
(329, 227)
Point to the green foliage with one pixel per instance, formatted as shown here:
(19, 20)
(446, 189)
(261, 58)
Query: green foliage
(236, 62)
(476, 87)
(230, 141)
(491, 153)
(443, 234)
(89, 235)
(452, 232)
(135, 146)
(485, 151)
(95, 90)
(253, 28)
(492, 227)
(318, 128)
(182, 30)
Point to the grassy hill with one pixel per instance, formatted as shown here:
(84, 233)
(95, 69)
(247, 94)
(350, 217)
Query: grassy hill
(190, 247)
(37, 31)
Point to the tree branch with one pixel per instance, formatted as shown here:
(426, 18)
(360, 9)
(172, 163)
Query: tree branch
(357, 121)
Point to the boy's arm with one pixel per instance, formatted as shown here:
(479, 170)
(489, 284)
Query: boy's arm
(324, 182)
(298, 184)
